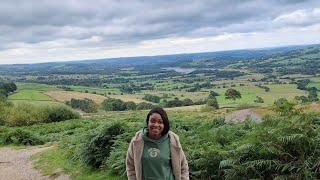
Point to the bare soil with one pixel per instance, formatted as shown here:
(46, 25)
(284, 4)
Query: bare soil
(15, 164)
(242, 115)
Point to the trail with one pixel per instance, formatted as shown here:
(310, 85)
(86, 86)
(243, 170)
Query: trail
(15, 164)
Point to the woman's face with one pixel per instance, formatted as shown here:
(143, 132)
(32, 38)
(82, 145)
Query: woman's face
(155, 126)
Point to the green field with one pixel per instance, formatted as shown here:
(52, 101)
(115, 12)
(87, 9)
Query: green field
(32, 92)
(314, 84)
(32, 95)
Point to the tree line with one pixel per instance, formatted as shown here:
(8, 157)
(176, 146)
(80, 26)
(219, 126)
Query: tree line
(7, 88)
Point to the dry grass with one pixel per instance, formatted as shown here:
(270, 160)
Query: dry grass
(129, 97)
(313, 107)
(63, 96)
(188, 108)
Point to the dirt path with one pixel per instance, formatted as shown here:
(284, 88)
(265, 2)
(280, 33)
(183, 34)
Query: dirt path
(15, 164)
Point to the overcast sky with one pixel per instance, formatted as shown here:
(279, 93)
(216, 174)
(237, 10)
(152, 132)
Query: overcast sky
(40, 31)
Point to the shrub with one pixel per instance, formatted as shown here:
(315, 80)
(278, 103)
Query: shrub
(115, 162)
(86, 105)
(131, 105)
(58, 113)
(21, 137)
(259, 100)
(111, 104)
(96, 149)
(144, 105)
(24, 114)
(284, 107)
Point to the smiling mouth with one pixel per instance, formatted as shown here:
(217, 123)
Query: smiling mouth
(155, 130)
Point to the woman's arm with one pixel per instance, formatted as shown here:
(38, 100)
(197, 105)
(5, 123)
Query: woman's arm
(131, 173)
(184, 167)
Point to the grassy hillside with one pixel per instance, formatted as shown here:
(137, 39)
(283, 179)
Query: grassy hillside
(208, 141)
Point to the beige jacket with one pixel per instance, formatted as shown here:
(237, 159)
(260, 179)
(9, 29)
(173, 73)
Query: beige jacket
(133, 160)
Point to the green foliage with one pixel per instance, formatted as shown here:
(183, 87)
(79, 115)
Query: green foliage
(232, 94)
(282, 147)
(259, 100)
(116, 159)
(57, 113)
(176, 102)
(213, 94)
(144, 105)
(301, 99)
(284, 107)
(151, 98)
(313, 96)
(6, 88)
(131, 105)
(302, 84)
(98, 146)
(24, 114)
(111, 104)
(212, 102)
(21, 137)
(285, 146)
(86, 105)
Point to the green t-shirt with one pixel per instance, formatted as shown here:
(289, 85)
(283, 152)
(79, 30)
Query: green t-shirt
(156, 158)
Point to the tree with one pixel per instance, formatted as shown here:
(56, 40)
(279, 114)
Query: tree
(131, 105)
(259, 100)
(212, 102)
(213, 94)
(232, 94)
(313, 96)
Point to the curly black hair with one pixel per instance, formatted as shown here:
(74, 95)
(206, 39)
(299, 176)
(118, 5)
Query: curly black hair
(164, 117)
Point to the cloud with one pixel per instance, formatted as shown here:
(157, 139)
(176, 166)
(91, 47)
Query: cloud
(114, 24)
(300, 17)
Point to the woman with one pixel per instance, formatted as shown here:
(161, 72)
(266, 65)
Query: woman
(155, 152)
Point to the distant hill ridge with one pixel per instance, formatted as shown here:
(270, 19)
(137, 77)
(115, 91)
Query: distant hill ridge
(108, 64)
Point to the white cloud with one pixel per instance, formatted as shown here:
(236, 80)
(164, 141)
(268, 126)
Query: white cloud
(299, 17)
(36, 31)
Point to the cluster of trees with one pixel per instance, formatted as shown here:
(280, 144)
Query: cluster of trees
(112, 104)
(129, 88)
(266, 89)
(312, 96)
(86, 105)
(232, 94)
(65, 88)
(176, 102)
(151, 98)
(6, 88)
(302, 84)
